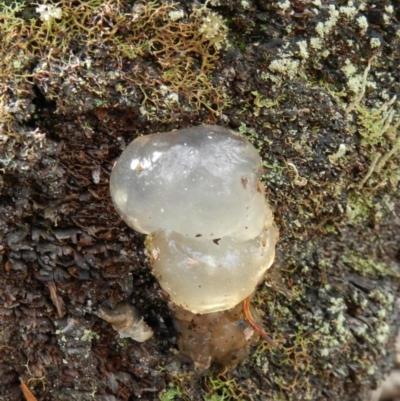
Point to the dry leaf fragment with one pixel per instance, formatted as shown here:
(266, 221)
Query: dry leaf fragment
(57, 301)
(27, 393)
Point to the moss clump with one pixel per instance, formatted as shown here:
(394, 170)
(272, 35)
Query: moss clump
(223, 389)
(368, 266)
(170, 394)
(60, 51)
(377, 123)
(359, 209)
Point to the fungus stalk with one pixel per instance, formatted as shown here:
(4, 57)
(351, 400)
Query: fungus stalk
(197, 194)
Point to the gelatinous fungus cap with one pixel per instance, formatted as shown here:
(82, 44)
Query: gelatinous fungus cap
(197, 191)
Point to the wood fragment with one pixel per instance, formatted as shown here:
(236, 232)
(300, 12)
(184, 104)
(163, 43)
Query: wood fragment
(255, 325)
(27, 393)
(57, 301)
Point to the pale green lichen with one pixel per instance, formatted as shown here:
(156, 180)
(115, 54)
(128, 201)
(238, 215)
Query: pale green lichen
(316, 43)
(89, 335)
(324, 28)
(303, 49)
(285, 66)
(362, 22)
(367, 266)
(348, 11)
(375, 42)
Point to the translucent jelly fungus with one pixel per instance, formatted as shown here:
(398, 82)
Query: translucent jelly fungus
(197, 191)
(201, 181)
(222, 337)
(126, 319)
(203, 275)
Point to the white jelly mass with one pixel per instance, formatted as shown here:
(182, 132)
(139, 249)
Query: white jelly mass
(204, 276)
(195, 181)
(197, 191)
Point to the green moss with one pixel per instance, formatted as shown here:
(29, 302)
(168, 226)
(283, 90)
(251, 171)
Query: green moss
(61, 49)
(261, 102)
(89, 335)
(170, 394)
(223, 389)
(377, 123)
(123, 342)
(359, 209)
(366, 265)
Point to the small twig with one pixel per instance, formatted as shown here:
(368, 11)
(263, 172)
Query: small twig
(55, 298)
(298, 180)
(27, 393)
(370, 170)
(27, 367)
(360, 96)
(255, 325)
(388, 155)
